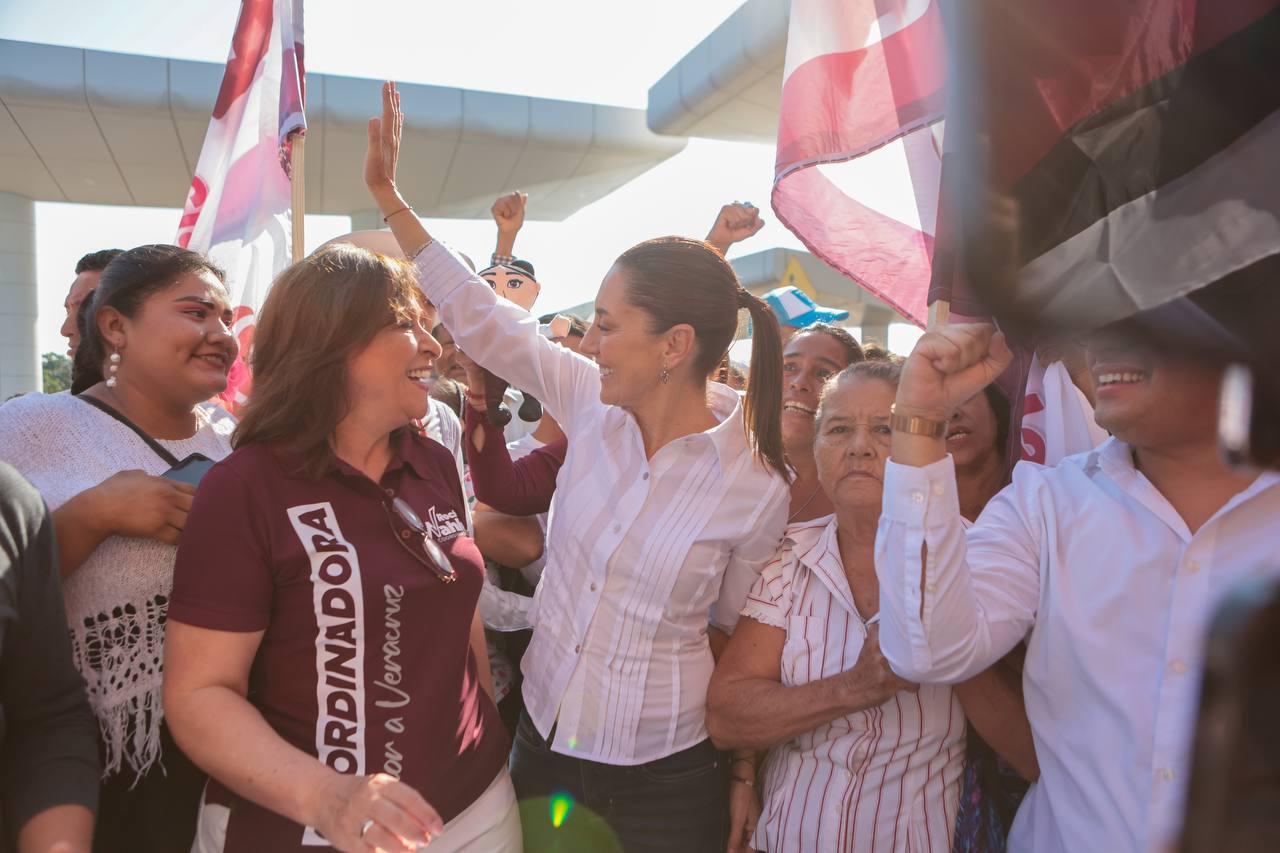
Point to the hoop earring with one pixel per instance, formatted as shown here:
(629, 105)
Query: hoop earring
(112, 369)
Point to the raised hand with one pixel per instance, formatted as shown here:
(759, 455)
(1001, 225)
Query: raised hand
(380, 160)
(383, 151)
(735, 223)
(508, 212)
(948, 366)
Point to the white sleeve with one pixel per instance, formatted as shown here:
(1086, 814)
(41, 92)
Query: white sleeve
(750, 556)
(769, 601)
(951, 603)
(502, 610)
(503, 338)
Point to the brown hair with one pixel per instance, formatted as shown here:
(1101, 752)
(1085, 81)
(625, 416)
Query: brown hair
(678, 280)
(320, 313)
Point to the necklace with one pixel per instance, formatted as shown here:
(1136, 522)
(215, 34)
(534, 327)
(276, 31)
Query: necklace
(805, 505)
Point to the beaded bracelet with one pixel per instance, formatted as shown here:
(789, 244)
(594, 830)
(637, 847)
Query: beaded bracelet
(413, 256)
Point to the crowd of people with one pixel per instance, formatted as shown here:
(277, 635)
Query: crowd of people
(806, 606)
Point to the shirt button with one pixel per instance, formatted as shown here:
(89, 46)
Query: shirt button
(577, 650)
(937, 489)
(1164, 774)
(917, 496)
(593, 587)
(617, 528)
(1193, 566)
(646, 476)
(1178, 667)
(391, 493)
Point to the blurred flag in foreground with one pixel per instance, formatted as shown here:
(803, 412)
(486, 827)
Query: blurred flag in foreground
(237, 211)
(860, 140)
(1126, 147)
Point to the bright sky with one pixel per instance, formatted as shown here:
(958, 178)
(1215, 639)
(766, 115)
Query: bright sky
(417, 41)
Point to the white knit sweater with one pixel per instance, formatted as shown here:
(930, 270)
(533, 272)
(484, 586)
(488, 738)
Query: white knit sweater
(118, 599)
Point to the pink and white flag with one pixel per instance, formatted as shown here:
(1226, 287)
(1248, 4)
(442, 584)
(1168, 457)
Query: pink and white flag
(1057, 420)
(238, 210)
(860, 141)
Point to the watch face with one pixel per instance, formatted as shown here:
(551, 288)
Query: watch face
(512, 283)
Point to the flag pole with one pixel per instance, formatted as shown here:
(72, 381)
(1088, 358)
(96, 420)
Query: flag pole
(298, 202)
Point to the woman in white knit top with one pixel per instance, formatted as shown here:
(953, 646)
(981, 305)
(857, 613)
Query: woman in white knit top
(155, 345)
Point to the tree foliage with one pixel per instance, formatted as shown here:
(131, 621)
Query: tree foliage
(57, 372)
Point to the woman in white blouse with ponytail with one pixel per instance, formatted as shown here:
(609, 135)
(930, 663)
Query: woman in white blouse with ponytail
(679, 499)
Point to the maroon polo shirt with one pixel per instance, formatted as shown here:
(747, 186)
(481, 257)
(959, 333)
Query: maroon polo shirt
(365, 659)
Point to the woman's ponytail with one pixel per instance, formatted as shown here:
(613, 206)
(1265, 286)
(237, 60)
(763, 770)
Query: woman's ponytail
(763, 404)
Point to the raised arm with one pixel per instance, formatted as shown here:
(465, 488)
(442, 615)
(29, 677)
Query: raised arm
(523, 487)
(508, 215)
(952, 604)
(734, 223)
(497, 334)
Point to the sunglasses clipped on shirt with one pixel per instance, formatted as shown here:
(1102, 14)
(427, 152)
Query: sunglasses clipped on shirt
(414, 537)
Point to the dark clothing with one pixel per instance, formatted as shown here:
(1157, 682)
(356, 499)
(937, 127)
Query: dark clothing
(523, 487)
(366, 660)
(154, 813)
(989, 798)
(675, 804)
(48, 735)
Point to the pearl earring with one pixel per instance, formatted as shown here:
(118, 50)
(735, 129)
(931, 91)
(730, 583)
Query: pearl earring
(112, 369)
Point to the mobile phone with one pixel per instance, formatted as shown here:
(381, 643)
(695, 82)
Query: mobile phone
(190, 470)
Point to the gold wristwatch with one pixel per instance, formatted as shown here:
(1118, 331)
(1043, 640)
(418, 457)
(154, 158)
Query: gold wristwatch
(915, 424)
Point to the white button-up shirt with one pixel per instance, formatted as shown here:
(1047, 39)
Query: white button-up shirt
(884, 778)
(1093, 566)
(639, 550)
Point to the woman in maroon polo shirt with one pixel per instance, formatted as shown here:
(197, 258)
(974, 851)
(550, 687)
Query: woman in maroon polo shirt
(324, 660)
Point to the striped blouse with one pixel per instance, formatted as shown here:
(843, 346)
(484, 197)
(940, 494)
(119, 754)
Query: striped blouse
(882, 779)
(639, 550)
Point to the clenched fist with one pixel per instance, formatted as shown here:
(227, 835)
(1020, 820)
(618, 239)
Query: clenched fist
(508, 212)
(735, 223)
(949, 365)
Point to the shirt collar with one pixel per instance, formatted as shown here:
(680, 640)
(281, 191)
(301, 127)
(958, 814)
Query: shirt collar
(729, 436)
(817, 548)
(408, 450)
(1115, 459)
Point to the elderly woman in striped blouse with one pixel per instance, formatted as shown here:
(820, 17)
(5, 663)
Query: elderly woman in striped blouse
(859, 759)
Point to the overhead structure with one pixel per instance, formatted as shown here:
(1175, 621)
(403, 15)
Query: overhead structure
(730, 85)
(95, 127)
